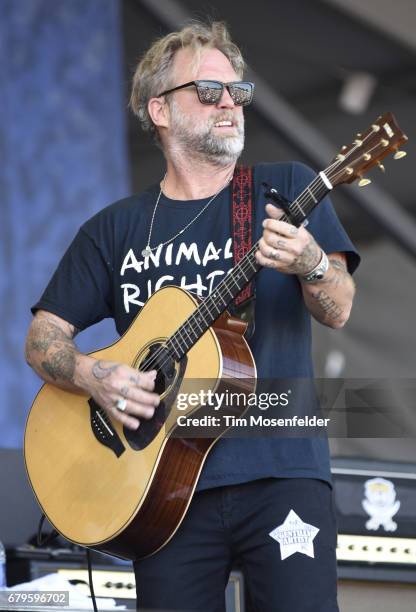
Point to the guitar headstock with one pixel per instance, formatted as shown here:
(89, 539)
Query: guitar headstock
(383, 137)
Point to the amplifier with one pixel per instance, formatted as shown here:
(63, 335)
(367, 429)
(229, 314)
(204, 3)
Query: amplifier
(376, 512)
(116, 581)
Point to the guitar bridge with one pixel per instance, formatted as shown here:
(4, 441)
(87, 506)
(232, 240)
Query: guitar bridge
(103, 430)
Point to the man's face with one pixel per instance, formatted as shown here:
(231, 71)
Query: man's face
(194, 127)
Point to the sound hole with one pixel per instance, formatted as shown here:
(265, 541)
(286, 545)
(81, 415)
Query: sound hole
(168, 379)
(159, 359)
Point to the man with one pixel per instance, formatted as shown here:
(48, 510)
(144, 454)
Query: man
(178, 233)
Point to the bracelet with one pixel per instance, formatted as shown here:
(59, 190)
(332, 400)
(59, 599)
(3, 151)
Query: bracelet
(318, 271)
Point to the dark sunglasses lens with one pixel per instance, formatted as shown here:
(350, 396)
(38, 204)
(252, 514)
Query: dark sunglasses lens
(241, 93)
(209, 92)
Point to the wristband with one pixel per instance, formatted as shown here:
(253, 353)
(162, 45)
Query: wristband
(318, 271)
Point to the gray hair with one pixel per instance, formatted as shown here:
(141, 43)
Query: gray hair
(154, 72)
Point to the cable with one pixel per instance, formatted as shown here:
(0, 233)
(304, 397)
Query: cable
(90, 582)
(48, 538)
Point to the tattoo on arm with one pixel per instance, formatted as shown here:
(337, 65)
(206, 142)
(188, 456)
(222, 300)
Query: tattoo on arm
(55, 346)
(330, 308)
(339, 265)
(100, 370)
(45, 335)
(341, 274)
(61, 365)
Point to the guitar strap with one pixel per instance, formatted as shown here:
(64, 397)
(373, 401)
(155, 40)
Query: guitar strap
(242, 224)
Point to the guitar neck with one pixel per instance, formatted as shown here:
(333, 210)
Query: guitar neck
(227, 290)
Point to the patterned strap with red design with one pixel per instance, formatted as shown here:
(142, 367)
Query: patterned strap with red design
(242, 221)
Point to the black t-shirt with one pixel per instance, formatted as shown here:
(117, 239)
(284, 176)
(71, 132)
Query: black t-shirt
(103, 274)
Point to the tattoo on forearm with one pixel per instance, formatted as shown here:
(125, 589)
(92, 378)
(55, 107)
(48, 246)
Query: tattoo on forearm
(331, 308)
(339, 273)
(100, 370)
(338, 265)
(57, 349)
(46, 335)
(61, 365)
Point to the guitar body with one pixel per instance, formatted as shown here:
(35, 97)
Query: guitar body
(129, 498)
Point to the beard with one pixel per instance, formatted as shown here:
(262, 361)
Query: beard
(200, 138)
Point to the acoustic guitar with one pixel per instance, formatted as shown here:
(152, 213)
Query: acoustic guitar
(125, 492)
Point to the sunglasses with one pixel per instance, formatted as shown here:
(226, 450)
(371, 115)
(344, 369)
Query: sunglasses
(210, 92)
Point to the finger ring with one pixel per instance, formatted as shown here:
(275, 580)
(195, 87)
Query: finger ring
(121, 404)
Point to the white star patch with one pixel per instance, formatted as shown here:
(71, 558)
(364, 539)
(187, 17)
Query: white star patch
(294, 535)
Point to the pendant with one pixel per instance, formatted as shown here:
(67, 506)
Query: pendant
(147, 252)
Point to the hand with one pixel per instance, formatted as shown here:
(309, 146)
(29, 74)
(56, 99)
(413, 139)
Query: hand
(286, 248)
(111, 382)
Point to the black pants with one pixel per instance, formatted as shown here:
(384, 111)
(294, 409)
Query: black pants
(232, 524)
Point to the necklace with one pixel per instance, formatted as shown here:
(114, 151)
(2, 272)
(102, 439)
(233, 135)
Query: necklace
(148, 250)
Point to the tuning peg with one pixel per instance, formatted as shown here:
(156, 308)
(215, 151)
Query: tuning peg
(380, 165)
(363, 182)
(399, 154)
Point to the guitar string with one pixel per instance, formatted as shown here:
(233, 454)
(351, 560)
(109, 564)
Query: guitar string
(300, 200)
(192, 319)
(219, 292)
